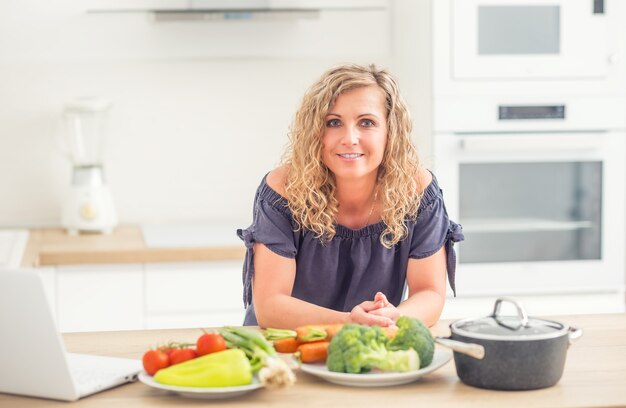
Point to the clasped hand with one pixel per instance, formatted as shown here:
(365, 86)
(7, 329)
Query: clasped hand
(378, 311)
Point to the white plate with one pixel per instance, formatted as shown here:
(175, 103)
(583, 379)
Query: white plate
(202, 393)
(440, 358)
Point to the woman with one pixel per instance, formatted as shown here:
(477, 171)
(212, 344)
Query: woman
(350, 218)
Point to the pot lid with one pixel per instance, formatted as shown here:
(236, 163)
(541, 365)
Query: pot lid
(498, 327)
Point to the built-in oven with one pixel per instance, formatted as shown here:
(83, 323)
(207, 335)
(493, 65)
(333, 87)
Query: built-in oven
(528, 39)
(539, 190)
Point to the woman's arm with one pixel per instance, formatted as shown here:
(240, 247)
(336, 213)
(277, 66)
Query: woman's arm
(426, 280)
(275, 307)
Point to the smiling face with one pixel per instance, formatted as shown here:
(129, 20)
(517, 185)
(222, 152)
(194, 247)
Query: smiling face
(355, 134)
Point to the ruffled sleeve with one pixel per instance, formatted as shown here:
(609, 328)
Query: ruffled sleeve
(433, 230)
(271, 226)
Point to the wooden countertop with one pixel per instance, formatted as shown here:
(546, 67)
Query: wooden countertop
(125, 245)
(595, 375)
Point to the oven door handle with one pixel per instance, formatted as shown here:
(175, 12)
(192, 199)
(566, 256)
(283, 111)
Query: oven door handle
(535, 142)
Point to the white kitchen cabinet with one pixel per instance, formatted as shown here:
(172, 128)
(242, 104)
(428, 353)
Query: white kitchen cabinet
(209, 294)
(138, 296)
(102, 297)
(194, 294)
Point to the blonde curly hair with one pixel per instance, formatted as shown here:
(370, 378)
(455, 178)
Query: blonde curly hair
(310, 185)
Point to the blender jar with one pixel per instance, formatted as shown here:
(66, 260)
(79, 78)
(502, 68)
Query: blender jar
(86, 122)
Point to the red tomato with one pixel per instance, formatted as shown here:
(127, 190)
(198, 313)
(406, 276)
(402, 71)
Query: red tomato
(154, 360)
(182, 354)
(167, 350)
(210, 343)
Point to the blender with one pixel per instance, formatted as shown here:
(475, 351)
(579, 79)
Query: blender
(89, 204)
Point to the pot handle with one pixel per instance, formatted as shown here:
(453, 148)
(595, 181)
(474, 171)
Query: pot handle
(574, 334)
(471, 349)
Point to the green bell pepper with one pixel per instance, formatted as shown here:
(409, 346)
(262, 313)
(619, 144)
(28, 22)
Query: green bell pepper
(226, 368)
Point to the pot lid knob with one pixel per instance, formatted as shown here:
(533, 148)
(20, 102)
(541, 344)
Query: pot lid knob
(521, 312)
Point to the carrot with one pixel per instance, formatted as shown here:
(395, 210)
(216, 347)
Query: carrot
(310, 333)
(390, 331)
(313, 352)
(278, 334)
(331, 329)
(288, 345)
(315, 332)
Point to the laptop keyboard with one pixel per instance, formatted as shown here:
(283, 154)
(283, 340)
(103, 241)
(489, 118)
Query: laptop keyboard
(88, 380)
(95, 373)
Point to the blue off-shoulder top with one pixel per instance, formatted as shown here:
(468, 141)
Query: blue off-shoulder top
(354, 265)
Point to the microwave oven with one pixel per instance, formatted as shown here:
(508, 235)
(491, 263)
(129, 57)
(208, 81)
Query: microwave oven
(529, 39)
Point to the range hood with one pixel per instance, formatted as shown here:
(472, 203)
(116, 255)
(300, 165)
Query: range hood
(234, 6)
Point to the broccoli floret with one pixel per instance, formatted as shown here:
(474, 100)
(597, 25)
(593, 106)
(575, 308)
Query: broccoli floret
(359, 349)
(413, 334)
(349, 339)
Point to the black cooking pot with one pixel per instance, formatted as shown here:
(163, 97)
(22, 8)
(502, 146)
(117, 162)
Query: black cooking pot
(509, 352)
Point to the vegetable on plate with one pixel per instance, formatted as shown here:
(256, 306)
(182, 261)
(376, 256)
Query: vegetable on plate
(360, 349)
(412, 333)
(289, 345)
(311, 333)
(210, 342)
(279, 334)
(317, 332)
(284, 340)
(304, 334)
(312, 352)
(272, 370)
(181, 355)
(331, 329)
(154, 360)
(225, 368)
(174, 352)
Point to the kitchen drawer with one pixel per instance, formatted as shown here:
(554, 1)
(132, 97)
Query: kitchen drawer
(193, 287)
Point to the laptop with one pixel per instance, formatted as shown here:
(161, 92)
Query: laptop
(32, 354)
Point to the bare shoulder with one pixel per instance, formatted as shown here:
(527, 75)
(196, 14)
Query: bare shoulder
(277, 179)
(424, 178)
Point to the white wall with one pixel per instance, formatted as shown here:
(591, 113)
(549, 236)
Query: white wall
(201, 109)
(412, 65)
